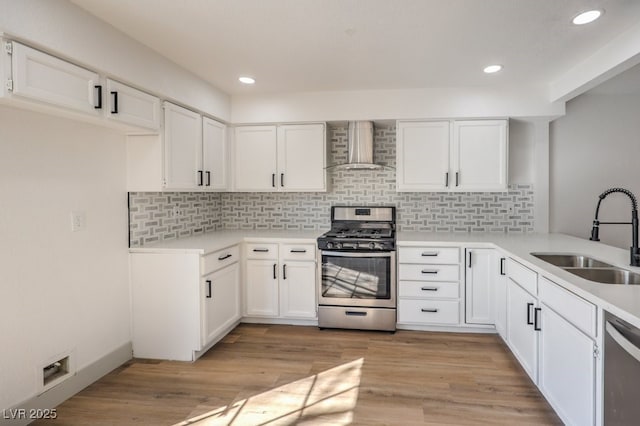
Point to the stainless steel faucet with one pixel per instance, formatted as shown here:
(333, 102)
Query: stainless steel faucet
(635, 252)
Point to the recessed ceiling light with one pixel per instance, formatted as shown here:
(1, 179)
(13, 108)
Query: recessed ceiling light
(247, 80)
(492, 69)
(587, 17)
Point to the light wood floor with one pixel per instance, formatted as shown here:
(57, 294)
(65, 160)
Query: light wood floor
(266, 374)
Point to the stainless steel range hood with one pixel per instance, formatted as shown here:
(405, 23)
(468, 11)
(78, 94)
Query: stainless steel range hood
(360, 147)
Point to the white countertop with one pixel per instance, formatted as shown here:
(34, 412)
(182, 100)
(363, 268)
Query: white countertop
(621, 300)
(214, 241)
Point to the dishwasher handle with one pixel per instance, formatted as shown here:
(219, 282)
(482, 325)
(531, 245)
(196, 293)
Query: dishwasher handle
(624, 343)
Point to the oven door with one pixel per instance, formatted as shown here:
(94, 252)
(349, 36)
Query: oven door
(358, 279)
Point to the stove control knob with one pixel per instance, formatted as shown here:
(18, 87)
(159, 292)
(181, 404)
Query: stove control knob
(338, 245)
(329, 245)
(371, 246)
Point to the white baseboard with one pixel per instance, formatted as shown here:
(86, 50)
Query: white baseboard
(280, 321)
(53, 397)
(449, 329)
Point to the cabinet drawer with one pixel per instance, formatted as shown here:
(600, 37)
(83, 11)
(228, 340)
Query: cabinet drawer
(298, 251)
(261, 251)
(220, 259)
(429, 272)
(573, 308)
(523, 276)
(435, 290)
(431, 255)
(428, 311)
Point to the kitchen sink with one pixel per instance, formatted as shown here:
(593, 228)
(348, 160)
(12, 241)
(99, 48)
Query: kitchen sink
(565, 260)
(606, 275)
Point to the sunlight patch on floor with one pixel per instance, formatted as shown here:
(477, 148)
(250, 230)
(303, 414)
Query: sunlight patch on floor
(328, 397)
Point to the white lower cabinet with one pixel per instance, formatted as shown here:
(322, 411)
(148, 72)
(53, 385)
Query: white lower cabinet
(428, 286)
(479, 298)
(500, 294)
(280, 280)
(221, 303)
(182, 302)
(522, 338)
(567, 375)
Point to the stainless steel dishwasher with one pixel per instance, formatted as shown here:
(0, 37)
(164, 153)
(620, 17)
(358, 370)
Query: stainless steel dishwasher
(621, 372)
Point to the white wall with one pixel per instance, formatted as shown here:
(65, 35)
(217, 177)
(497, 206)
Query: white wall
(393, 105)
(69, 31)
(594, 147)
(59, 290)
(521, 151)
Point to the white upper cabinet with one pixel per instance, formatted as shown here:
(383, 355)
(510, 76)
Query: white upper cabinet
(442, 156)
(301, 157)
(423, 156)
(479, 155)
(183, 148)
(132, 106)
(38, 76)
(195, 151)
(255, 164)
(280, 158)
(214, 154)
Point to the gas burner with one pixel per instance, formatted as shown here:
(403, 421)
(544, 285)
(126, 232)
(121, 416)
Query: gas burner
(360, 228)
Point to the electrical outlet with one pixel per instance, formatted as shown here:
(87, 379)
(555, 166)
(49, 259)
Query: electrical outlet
(176, 211)
(78, 221)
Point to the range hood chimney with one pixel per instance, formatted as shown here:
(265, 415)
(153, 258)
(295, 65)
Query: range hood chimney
(360, 146)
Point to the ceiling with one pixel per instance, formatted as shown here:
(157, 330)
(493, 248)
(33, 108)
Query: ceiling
(334, 45)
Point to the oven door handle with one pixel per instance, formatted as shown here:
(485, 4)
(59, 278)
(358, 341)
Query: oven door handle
(358, 254)
(355, 313)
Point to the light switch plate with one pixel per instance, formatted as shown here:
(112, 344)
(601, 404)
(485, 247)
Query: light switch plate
(78, 221)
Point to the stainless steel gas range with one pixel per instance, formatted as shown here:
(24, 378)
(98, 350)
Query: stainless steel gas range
(358, 270)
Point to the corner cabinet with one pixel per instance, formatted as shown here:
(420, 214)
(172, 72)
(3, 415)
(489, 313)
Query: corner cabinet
(195, 155)
(452, 155)
(280, 158)
(183, 302)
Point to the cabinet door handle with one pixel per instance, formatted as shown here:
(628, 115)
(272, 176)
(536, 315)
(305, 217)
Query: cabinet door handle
(429, 271)
(536, 319)
(261, 250)
(446, 179)
(430, 310)
(199, 177)
(208, 289)
(282, 180)
(502, 259)
(114, 110)
(226, 256)
(457, 178)
(208, 178)
(529, 320)
(429, 289)
(298, 250)
(273, 180)
(98, 87)
(274, 271)
(470, 253)
(284, 271)
(430, 254)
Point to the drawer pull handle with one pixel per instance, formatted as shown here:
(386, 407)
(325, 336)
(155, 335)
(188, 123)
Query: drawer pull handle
(429, 310)
(529, 320)
(430, 254)
(429, 271)
(208, 289)
(298, 250)
(226, 256)
(261, 250)
(355, 313)
(429, 288)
